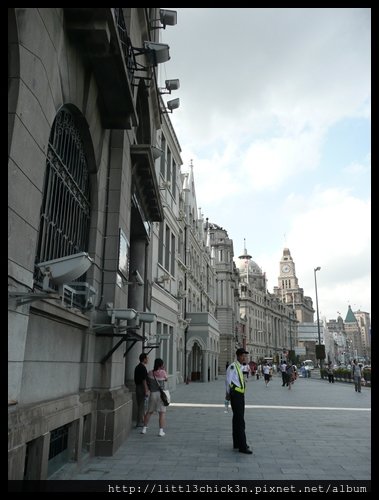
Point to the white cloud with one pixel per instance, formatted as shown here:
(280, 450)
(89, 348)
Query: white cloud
(356, 169)
(260, 89)
(269, 163)
(331, 230)
(300, 66)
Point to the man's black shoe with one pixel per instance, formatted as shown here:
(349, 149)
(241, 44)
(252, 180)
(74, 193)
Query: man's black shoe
(246, 450)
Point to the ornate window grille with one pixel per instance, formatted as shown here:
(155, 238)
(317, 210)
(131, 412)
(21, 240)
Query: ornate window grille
(65, 212)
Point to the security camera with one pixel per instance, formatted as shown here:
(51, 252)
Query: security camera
(65, 269)
(138, 278)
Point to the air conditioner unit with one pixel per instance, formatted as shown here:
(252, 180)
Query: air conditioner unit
(78, 294)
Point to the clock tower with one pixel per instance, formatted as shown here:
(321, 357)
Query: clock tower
(287, 277)
(289, 291)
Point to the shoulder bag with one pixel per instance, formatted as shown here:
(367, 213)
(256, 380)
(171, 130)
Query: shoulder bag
(165, 394)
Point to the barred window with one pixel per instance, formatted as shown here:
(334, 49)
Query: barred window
(65, 212)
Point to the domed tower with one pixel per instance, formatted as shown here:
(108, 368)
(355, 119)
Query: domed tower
(250, 272)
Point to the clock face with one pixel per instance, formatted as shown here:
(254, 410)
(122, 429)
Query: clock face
(286, 268)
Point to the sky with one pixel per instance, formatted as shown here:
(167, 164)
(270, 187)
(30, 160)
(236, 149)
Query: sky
(275, 114)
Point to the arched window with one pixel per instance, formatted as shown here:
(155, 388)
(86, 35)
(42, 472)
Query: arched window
(65, 211)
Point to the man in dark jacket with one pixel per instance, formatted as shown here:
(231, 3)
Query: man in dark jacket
(142, 390)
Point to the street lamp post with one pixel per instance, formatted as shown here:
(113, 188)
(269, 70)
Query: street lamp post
(289, 321)
(318, 318)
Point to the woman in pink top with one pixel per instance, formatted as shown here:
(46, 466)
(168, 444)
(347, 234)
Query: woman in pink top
(155, 378)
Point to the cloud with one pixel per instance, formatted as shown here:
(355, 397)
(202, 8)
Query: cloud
(331, 230)
(302, 67)
(356, 169)
(268, 163)
(261, 93)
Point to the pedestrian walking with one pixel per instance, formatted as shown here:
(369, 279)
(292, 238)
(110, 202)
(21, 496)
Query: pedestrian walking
(357, 374)
(259, 371)
(330, 373)
(235, 392)
(266, 373)
(290, 375)
(246, 370)
(142, 390)
(283, 369)
(156, 378)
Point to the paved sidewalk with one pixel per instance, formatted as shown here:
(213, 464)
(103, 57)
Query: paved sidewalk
(315, 431)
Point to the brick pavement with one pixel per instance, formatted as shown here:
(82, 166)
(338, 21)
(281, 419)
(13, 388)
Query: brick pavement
(306, 433)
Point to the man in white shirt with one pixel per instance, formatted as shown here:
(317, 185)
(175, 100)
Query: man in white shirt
(235, 392)
(283, 369)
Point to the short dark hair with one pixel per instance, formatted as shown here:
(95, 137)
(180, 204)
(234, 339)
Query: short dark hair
(241, 351)
(142, 356)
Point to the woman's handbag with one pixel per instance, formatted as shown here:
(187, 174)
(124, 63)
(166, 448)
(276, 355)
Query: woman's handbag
(165, 394)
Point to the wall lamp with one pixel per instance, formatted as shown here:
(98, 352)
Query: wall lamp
(137, 279)
(156, 152)
(318, 317)
(165, 185)
(156, 53)
(162, 279)
(171, 105)
(170, 86)
(64, 269)
(167, 18)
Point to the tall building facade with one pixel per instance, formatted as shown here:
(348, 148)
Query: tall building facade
(199, 329)
(353, 334)
(84, 196)
(271, 327)
(227, 311)
(364, 323)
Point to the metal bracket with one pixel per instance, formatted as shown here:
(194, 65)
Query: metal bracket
(26, 297)
(150, 347)
(126, 337)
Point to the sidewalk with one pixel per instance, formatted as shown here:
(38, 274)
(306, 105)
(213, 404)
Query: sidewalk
(307, 433)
